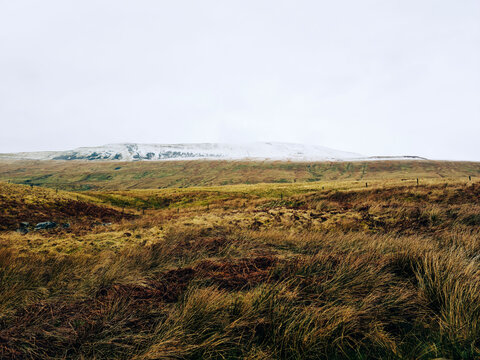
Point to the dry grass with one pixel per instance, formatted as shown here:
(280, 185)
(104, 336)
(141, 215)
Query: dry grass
(292, 271)
(98, 175)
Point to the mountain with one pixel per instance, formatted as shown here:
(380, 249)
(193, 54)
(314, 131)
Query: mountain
(211, 151)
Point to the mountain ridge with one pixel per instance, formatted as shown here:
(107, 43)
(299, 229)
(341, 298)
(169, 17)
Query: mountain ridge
(199, 151)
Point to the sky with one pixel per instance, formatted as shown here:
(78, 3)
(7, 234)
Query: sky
(376, 77)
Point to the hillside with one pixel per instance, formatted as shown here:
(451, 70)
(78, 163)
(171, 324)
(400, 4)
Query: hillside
(20, 203)
(217, 151)
(268, 271)
(86, 175)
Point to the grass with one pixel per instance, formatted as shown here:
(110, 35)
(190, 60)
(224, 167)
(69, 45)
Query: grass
(84, 175)
(304, 270)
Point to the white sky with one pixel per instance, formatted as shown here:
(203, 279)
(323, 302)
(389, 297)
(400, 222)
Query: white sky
(378, 77)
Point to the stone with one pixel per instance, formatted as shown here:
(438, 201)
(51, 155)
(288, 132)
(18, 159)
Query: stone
(23, 229)
(46, 225)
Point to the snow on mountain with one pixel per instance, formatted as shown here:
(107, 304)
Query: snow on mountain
(218, 151)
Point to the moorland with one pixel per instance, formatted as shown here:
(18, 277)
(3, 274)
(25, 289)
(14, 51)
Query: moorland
(240, 260)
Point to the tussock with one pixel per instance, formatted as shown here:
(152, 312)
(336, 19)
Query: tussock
(386, 272)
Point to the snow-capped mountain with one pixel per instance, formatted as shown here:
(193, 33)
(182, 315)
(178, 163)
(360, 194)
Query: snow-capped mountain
(218, 151)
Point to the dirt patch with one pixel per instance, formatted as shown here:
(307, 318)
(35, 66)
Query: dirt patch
(168, 288)
(238, 275)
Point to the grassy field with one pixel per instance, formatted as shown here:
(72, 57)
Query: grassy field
(327, 269)
(84, 175)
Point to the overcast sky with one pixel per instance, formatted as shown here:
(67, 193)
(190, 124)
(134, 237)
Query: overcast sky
(376, 77)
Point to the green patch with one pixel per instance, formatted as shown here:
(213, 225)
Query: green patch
(97, 177)
(289, 204)
(142, 175)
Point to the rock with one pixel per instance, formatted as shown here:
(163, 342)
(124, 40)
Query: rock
(107, 224)
(65, 225)
(46, 225)
(23, 229)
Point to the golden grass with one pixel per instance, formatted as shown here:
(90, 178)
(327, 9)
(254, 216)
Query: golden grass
(84, 175)
(293, 271)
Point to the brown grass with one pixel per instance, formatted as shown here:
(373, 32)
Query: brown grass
(296, 271)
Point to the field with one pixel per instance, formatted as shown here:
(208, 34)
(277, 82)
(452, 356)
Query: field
(237, 260)
(110, 175)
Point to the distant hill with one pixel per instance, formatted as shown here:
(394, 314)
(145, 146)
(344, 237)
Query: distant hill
(207, 151)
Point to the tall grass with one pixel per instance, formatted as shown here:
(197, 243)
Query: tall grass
(388, 273)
